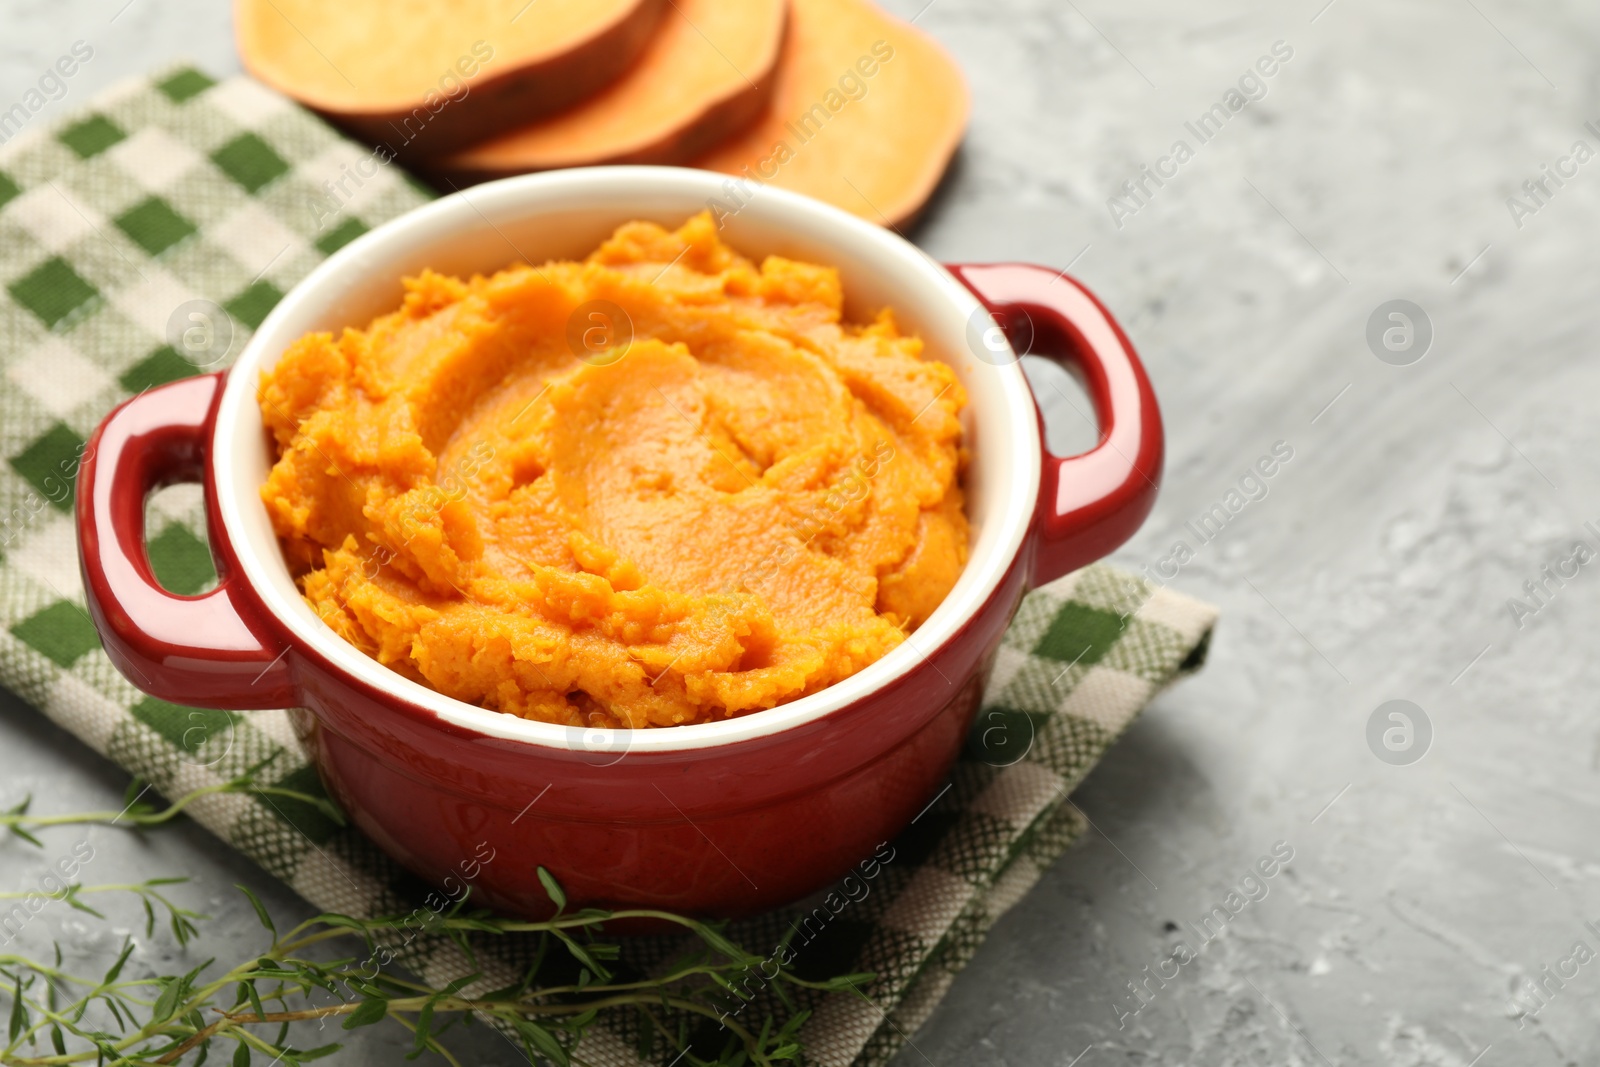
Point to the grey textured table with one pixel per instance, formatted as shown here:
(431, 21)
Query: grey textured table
(1381, 563)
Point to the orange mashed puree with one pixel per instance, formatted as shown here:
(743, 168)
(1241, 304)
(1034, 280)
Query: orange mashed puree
(712, 498)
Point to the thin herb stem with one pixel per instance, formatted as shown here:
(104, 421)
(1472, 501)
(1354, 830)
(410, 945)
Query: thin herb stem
(21, 820)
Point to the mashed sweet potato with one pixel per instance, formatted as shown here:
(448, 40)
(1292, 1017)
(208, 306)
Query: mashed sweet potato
(660, 486)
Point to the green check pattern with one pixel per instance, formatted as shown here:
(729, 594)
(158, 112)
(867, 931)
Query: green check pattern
(176, 188)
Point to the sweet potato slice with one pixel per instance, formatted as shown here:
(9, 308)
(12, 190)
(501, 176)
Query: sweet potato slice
(426, 76)
(707, 74)
(866, 113)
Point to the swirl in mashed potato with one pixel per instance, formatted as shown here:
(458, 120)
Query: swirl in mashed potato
(721, 499)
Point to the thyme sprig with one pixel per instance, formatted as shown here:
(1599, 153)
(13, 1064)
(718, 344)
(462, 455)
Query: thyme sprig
(180, 920)
(326, 969)
(138, 812)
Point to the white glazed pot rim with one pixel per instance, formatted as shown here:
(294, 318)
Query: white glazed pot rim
(501, 222)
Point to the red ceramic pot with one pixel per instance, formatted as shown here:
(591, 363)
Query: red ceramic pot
(720, 819)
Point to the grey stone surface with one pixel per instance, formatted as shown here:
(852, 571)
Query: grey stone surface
(1377, 567)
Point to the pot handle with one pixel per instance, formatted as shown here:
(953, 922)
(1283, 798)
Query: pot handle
(1091, 503)
(197, 650)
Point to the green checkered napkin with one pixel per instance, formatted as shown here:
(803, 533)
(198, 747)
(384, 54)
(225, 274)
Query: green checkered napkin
(176, 188)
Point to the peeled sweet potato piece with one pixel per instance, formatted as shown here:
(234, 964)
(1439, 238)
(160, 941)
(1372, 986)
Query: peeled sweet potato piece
(426, 76)
(866, 113)
(707, 74)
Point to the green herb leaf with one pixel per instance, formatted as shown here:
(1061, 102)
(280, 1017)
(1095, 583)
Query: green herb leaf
(134, 806)
(167, 1002)
(29, 838)
(458, 985)
(317, 1053)
(370, 1011)
(116, 968)
(544, 1041)
(849, 983)
(249, 990)
(333, 918)
(241, 1055)
(424, 1030)
(553, 888)
(261, 910)
(713, 937)
(70, 898)
(182, 929)
(19, 1011)
(581, 954)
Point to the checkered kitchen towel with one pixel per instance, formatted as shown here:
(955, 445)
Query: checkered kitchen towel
(177, 188)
